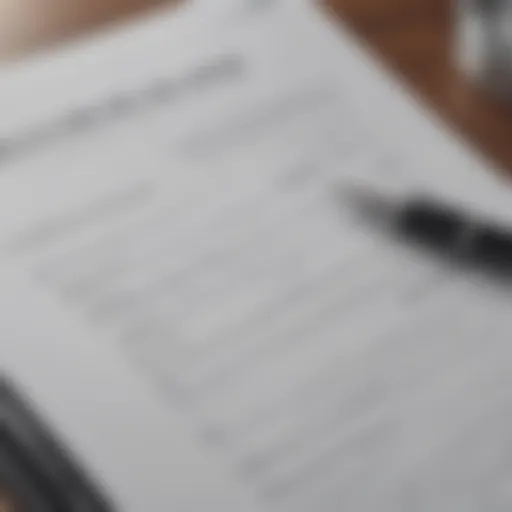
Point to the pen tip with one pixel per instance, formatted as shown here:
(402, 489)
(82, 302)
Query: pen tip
(372, 203)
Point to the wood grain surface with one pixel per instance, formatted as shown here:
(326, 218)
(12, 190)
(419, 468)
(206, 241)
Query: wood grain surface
(413, 36)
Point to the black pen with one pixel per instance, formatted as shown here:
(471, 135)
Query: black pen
(438, 226)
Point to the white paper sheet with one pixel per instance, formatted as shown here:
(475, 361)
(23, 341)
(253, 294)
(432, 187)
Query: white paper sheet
(203, 320)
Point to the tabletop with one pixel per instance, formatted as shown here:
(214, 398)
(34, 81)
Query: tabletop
(416, 38)
(413, 36)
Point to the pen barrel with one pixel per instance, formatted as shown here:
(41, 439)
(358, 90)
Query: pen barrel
(434, 226)
(483, 45)
(491, 247)
(451, 232)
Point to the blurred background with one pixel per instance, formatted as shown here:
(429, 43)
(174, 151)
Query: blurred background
(414, 36)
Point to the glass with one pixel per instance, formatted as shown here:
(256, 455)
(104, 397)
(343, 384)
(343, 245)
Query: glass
(484, 44)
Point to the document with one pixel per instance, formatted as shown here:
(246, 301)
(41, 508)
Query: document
(199, 315)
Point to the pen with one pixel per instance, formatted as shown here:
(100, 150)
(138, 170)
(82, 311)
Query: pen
(37, 473)
(437, 226)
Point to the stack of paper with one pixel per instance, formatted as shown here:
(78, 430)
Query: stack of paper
(195, 311)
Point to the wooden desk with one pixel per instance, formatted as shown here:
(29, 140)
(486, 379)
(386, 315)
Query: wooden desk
(412, 35)
(415, 37)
